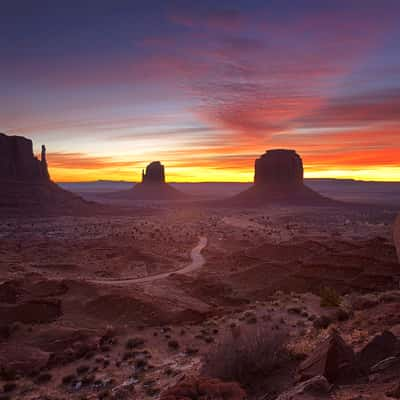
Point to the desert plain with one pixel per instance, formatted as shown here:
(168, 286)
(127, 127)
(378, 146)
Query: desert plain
(127, 306)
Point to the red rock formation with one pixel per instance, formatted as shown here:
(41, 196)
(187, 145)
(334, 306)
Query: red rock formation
(17, 161)
(25, 183)
(332, 358)
(278, 179)
(152, 187)
(155, 173)
(279, 167)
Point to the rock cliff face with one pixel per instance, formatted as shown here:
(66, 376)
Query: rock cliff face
(155, 173)
(278, 179)
(17, 161)
(279, 167)
(25, 184)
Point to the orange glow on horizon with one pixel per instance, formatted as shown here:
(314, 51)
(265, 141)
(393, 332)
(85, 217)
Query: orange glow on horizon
(210, 174)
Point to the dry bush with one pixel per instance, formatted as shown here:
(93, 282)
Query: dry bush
(329, 297)
(242, 355)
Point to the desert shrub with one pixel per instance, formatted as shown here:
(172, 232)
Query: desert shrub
(329, 297)
(243, 356)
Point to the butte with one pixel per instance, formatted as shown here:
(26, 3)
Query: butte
(278, 179)
(152, 186)
(25, 183)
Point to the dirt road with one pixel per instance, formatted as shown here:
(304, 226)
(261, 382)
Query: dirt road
(196, 263)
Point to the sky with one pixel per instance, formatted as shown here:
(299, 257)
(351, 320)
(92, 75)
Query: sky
(203, 86)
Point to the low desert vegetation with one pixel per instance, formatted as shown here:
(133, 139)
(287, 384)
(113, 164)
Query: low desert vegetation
(329, 297)
(244, 354)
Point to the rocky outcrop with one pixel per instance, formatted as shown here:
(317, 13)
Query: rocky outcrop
(279, 167)
(332, 358)
(17, 161)
(379, 348)
(155, 173)
(396, 235)
(315, 388)
(278, 179)
(25, 184)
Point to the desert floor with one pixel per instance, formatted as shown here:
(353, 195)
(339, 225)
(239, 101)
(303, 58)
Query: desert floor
(102, 307)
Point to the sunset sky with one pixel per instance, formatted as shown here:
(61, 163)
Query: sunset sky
(203, 86)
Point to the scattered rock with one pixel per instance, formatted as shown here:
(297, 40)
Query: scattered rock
(315, 388)
(385, 364)
(380, 347)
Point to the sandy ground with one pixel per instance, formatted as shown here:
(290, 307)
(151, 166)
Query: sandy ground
(92, 306)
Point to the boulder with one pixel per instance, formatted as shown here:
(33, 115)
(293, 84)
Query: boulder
(315, 388)
(202, 388)
(332, 358)
(379, 348)
(396, 235)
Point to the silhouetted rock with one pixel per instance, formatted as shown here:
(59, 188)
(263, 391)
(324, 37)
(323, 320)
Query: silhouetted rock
(154, 173)
(380, 347)
(396, 235)
(25, 184)
(332, 358)
(17, 161)
(152, 187)
(278, 179)
(279, 167)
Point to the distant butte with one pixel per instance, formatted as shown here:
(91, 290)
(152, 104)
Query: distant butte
(152, 187)
(155, 173)
(278, 178)
(25, 183)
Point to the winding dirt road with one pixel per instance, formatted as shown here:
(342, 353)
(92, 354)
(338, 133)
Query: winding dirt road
(196, 263)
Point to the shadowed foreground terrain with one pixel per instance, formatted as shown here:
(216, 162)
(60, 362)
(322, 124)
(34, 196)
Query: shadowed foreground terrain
(112, 307)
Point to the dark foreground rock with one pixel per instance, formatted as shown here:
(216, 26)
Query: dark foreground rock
(332, 358)
(379, 348)
(315, 388)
